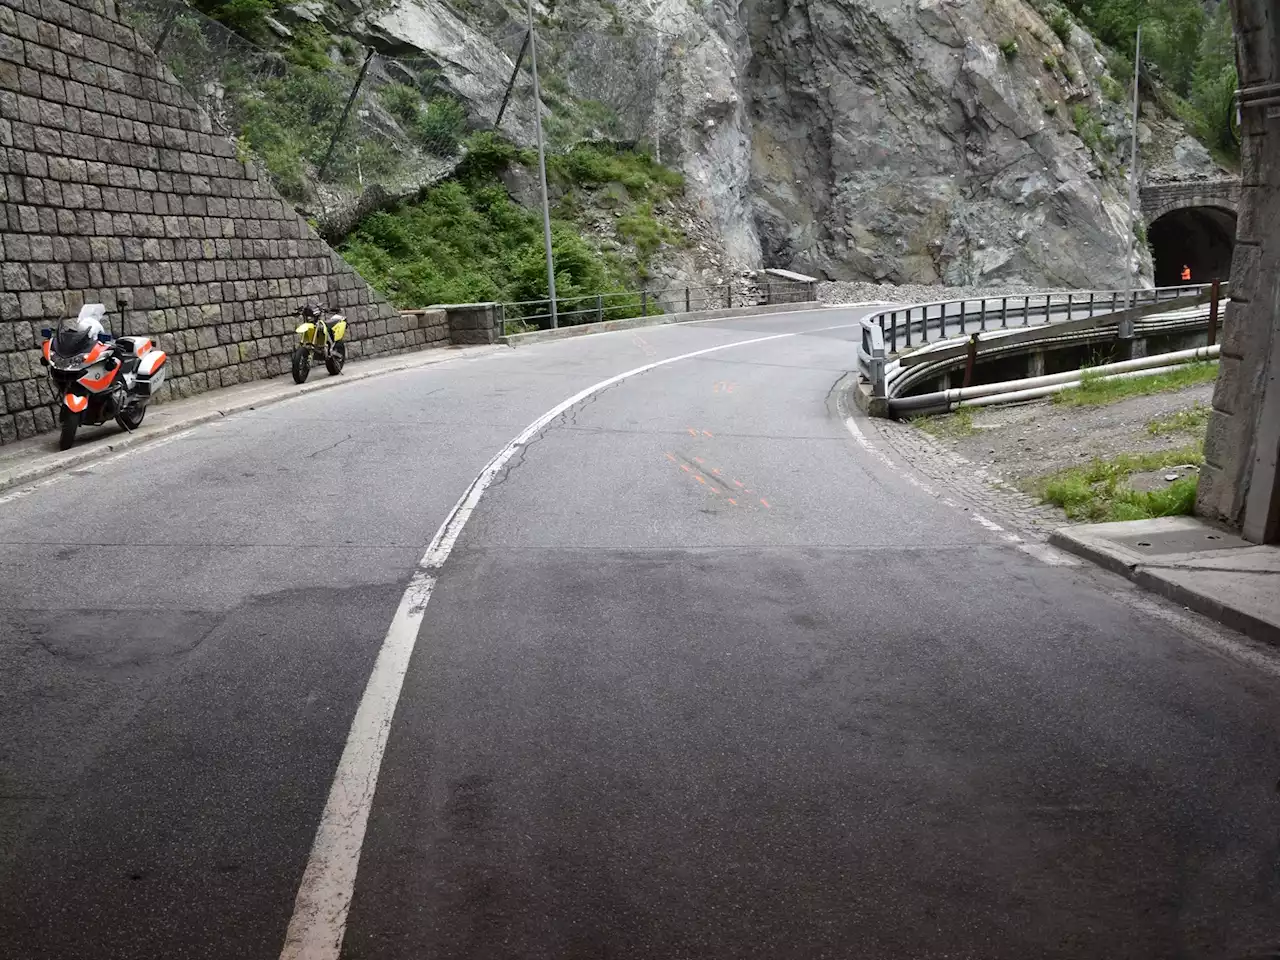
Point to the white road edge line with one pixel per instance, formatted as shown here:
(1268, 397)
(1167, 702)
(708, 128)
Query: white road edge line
(1042, 552)
(320, 910)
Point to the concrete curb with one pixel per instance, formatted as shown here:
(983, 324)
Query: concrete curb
(1117, 560)
(60, 461)
(631, 323)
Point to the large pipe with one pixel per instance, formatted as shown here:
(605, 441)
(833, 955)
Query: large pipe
(1035, 394)
(1030, 388)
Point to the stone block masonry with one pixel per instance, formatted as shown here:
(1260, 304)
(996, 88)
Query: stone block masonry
(115, 189)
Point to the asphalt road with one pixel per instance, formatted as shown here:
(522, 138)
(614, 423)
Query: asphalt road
(701, 678)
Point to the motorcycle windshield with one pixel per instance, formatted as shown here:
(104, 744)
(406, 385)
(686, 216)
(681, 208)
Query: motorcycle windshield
(72, 338)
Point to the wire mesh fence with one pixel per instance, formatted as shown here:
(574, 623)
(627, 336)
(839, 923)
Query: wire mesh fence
(327, 123)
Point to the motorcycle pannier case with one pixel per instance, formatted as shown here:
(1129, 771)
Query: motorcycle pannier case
(151, 371)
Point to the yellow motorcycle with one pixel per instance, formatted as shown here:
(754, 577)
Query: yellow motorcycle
(318, 337)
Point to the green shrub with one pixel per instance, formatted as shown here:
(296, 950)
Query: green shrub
(1009, 48)
(401, 101)
(1060, 23)
(442, 124)
(245, 17)
(1050, 62)
(1112, 90)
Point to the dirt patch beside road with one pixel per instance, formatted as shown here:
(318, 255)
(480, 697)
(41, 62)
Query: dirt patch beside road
(1018, 443)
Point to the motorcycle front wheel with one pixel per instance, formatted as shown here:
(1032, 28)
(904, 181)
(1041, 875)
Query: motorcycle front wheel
(337, 358)
(130, 419)
(301, 364)
(70, 424)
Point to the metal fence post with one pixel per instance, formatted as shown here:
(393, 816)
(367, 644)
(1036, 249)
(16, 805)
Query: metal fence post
(1213, 312)
(1090, 304)
(728, 295)
(512, 82)
(599, 307)
(644, 303)
(686, 300)
(971, 358)
(164, 32)
(1026, 311)
(342, 121)
(1004, 312)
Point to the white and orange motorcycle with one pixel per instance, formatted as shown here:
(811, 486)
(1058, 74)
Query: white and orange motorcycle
(96, 376)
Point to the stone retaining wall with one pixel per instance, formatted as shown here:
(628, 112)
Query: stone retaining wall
(115, 189)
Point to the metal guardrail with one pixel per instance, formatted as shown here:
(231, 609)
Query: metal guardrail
(528, 315)
(1047, 314)
(919, 324)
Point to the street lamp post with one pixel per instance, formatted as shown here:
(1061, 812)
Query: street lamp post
(542, 168)
(1131, 267)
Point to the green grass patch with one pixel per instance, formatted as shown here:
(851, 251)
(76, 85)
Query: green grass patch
(467, 240)
(957, 424)
(1095, 391)
(1099, 492)
(1193, 422)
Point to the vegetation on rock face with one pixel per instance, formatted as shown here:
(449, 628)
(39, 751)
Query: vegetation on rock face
(1189, 43)
(467, 240)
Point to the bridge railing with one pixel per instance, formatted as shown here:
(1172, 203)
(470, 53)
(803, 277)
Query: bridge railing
(910, 327)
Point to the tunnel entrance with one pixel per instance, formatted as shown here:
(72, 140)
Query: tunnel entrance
(1202, 238)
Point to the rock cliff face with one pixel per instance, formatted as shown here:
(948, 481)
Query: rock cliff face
(910, 141)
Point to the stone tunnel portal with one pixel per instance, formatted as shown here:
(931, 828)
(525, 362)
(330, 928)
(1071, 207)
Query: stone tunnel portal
(1202, 238)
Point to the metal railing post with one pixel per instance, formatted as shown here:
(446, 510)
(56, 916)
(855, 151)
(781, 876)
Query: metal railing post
(686, 300)
(1004, 312)
(728, 295)
(982, 315)
(1048, 300)
(599, 307)
(1090, 304)
(963, 305)
(1071, 302)
(895, 323)
(644, 303)
(893, 333)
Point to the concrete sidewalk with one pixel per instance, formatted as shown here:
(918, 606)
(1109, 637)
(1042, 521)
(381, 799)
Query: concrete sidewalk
(1194, 563)
(38, 457)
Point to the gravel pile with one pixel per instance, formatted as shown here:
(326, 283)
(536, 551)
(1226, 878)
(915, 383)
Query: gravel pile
(845, 291)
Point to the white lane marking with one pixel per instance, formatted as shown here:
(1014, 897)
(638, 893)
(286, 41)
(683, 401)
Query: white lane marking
(320, 911)
(1042, 552)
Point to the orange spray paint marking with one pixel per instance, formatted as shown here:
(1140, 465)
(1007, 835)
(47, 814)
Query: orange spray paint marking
(671, 458)
(738, 483)
(698, 460)
(708, 433)
(685, 468)
(692, 432)
(766, 503)
(713, 491)
(700, 478)
(716, 471)
(733, 501)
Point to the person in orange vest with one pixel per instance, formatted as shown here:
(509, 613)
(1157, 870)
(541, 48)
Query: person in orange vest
(1186, 272)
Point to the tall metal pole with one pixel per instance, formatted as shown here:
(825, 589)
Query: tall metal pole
(1133, 164)
(542, 167)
